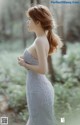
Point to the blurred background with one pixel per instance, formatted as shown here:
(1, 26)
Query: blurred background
(64, 65)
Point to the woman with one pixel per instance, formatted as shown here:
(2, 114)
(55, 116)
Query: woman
(40, 92)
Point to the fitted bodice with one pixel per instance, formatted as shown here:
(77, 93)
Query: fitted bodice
(28, 58)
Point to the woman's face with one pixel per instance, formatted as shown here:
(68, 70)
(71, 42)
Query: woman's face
(31, 24)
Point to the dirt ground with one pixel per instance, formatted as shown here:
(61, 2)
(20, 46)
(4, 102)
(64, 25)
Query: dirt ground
(12, 118)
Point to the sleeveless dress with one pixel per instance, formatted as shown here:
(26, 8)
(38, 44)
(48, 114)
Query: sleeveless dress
(40, 95)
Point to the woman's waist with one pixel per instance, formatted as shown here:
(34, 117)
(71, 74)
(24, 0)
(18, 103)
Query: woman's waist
(39, 89)
(30, 72)
(39, 86)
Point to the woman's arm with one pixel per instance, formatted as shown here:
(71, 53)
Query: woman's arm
(34, 68)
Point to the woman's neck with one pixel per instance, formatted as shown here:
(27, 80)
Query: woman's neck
(40, 33)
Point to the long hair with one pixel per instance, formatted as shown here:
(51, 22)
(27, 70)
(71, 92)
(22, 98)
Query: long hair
(41, 13)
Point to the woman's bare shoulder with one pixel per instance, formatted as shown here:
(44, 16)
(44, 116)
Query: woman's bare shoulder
(40, 40)
(43, 42)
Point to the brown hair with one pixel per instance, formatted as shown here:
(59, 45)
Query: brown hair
(41, 13)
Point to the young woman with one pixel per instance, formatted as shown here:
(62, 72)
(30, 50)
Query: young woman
(39, 90)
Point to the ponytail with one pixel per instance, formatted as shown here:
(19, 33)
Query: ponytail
(54, 41)
(44, 16)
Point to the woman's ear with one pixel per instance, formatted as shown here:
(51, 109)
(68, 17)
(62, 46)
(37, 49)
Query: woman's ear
(37, 22)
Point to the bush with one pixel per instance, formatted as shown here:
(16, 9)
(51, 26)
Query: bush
(67, 67)
(17, 97)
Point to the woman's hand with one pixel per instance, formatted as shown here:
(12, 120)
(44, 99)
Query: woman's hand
(21, 56)
(21, 61)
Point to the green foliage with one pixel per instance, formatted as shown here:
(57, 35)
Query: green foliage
(10, 69)
(23, 115)
(67, 67)
(61, 99)
(17, 96)
(67, 101)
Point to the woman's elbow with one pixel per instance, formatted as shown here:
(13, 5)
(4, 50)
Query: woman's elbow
(44, 70)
